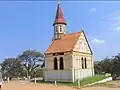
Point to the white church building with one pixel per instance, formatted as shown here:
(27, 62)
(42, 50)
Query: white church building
(69, 56)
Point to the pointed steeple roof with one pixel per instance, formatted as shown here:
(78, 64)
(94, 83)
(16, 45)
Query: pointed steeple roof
(59, 19)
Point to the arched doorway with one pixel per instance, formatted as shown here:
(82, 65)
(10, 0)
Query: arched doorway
(61, 64)
(55, 64)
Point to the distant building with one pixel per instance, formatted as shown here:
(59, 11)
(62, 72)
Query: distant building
(69, 56)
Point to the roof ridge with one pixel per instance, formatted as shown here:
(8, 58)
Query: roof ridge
(73, 33)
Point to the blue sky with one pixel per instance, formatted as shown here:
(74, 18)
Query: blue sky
(28, 25)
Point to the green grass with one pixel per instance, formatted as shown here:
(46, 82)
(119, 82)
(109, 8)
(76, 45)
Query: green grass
(90, 80)
(86, 81)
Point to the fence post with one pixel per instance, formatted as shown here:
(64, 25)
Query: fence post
(78, 84)
(35, 80)
(8, 79)
(55, 82)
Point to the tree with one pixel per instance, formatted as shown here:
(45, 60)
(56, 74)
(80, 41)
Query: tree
(43, 65)
(31, 59)
(97, 67)
(116, 64)
(104, 66)
(11, 67)
(109, 65)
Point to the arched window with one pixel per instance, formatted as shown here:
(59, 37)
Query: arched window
(60, 28)
(61, 63)
(64, 28)
(55, 64)
(82, 63)
(55, 29)
(85, 63)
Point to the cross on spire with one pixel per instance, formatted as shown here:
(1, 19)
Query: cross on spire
(58, 1)
(59, 19)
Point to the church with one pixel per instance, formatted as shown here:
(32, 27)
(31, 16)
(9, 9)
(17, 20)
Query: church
(69, 56)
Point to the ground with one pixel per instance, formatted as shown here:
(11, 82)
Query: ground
(23, 85)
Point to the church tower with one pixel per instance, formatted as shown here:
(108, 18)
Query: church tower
(59, 24)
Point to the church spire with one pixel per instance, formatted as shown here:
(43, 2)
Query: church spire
(59, 19)
(59, 23)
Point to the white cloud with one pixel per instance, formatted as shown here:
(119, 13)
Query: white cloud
(113, 21)
(115, 18)
(115, 24)
(115, 27)
(92, 10)
(97, 41)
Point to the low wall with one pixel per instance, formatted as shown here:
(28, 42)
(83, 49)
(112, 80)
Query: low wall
(105, 80)
(58, 75)
(82, 73)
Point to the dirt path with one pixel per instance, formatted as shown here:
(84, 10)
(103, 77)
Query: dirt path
(22, 85)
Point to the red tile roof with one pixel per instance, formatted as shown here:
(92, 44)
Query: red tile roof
(59, 16)
(66, 43)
